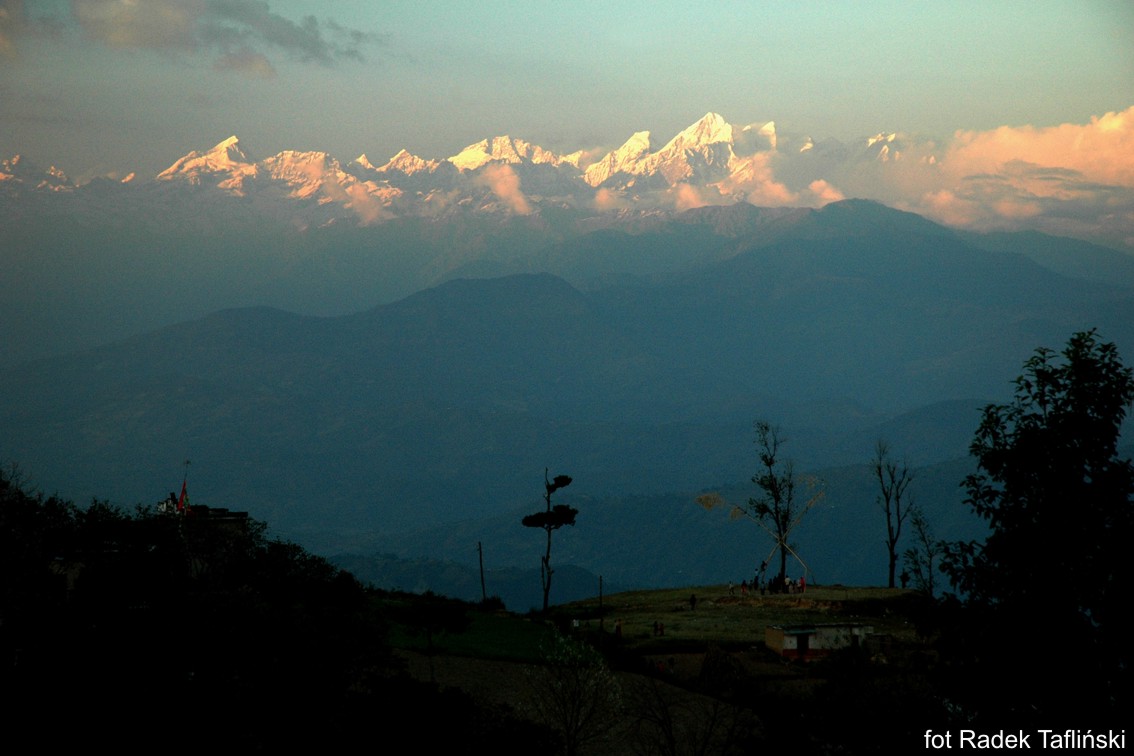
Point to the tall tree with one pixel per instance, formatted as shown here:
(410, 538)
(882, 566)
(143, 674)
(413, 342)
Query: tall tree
(776, 509)
(550, 520)
(894, 479)
(1058, 501)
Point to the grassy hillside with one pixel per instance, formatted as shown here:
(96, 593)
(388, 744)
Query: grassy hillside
(708, 679)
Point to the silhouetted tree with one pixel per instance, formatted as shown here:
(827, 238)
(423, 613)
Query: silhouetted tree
(776, 509)
(921, 559)
(893, 481)
(551, 519)
(1055, 565)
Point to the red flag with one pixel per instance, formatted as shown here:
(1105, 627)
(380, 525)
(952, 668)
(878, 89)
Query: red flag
(183, 499)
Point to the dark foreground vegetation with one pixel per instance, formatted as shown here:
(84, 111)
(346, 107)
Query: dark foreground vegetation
(183, 630)
(194, 632)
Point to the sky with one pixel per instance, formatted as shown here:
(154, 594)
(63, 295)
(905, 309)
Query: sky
(116, 86)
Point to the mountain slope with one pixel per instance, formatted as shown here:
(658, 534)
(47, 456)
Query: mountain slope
(448, 404)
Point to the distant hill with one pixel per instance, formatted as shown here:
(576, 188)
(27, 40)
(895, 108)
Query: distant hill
(108, 262)
(444, 407)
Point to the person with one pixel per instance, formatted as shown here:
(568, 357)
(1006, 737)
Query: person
(692, 601)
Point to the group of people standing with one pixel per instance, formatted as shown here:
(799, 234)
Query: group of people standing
(778, 584)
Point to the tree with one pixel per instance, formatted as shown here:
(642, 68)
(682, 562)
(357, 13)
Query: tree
(574, 692)
(668, 720)
(893, 480)
(776, 509)
(921, 558)
(551, 519)
(1057, 499)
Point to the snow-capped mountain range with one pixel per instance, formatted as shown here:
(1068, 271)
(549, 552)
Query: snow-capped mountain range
(721, 161)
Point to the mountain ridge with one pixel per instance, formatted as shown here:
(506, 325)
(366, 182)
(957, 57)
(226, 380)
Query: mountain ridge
(440, 404)
(710, 155)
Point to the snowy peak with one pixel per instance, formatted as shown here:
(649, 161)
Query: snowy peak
(701, 153)
(292, 175)
(364, 162)
(304, 172)
(409, 164)
(502, 149)
(231, 148)
(225, 158)
(17, 170)
(711, 129)
(885, 147)
(708, 162)
(623, 160)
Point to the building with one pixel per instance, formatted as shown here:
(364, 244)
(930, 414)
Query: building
(815, 640)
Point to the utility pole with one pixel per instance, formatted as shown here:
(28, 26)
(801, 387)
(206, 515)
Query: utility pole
(480, 555)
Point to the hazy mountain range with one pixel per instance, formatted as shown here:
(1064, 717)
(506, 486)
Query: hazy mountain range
(500, 172)
(384, 359)
(419, 374)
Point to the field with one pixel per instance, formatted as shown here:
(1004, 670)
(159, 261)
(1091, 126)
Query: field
(736, 620)
(711, 653)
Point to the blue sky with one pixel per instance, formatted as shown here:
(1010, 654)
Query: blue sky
(99, 86)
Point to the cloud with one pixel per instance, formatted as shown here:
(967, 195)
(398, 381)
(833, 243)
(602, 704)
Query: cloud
(754, 178)
(1075, 179)
(608, 199)
(505, 184)
(153, 24)
(824, 192)
(1100, 151)
(16, 23)
(686, 197)
(370, 210)
(247, 62)
(1070, 179)
(238, 32)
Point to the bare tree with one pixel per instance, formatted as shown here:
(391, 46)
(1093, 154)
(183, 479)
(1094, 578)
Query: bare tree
(574, 691)
(893, 481)
(666, 720)
(922, 557)
(776, 509)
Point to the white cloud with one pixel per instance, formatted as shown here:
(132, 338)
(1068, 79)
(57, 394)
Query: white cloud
(608, 199)
(1074, 179)
(825, 192)
(505, 184)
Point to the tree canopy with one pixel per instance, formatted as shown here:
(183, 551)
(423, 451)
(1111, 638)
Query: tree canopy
(1052, 573)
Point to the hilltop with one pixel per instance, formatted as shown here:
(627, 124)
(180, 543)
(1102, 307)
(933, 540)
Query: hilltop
(709, 678)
